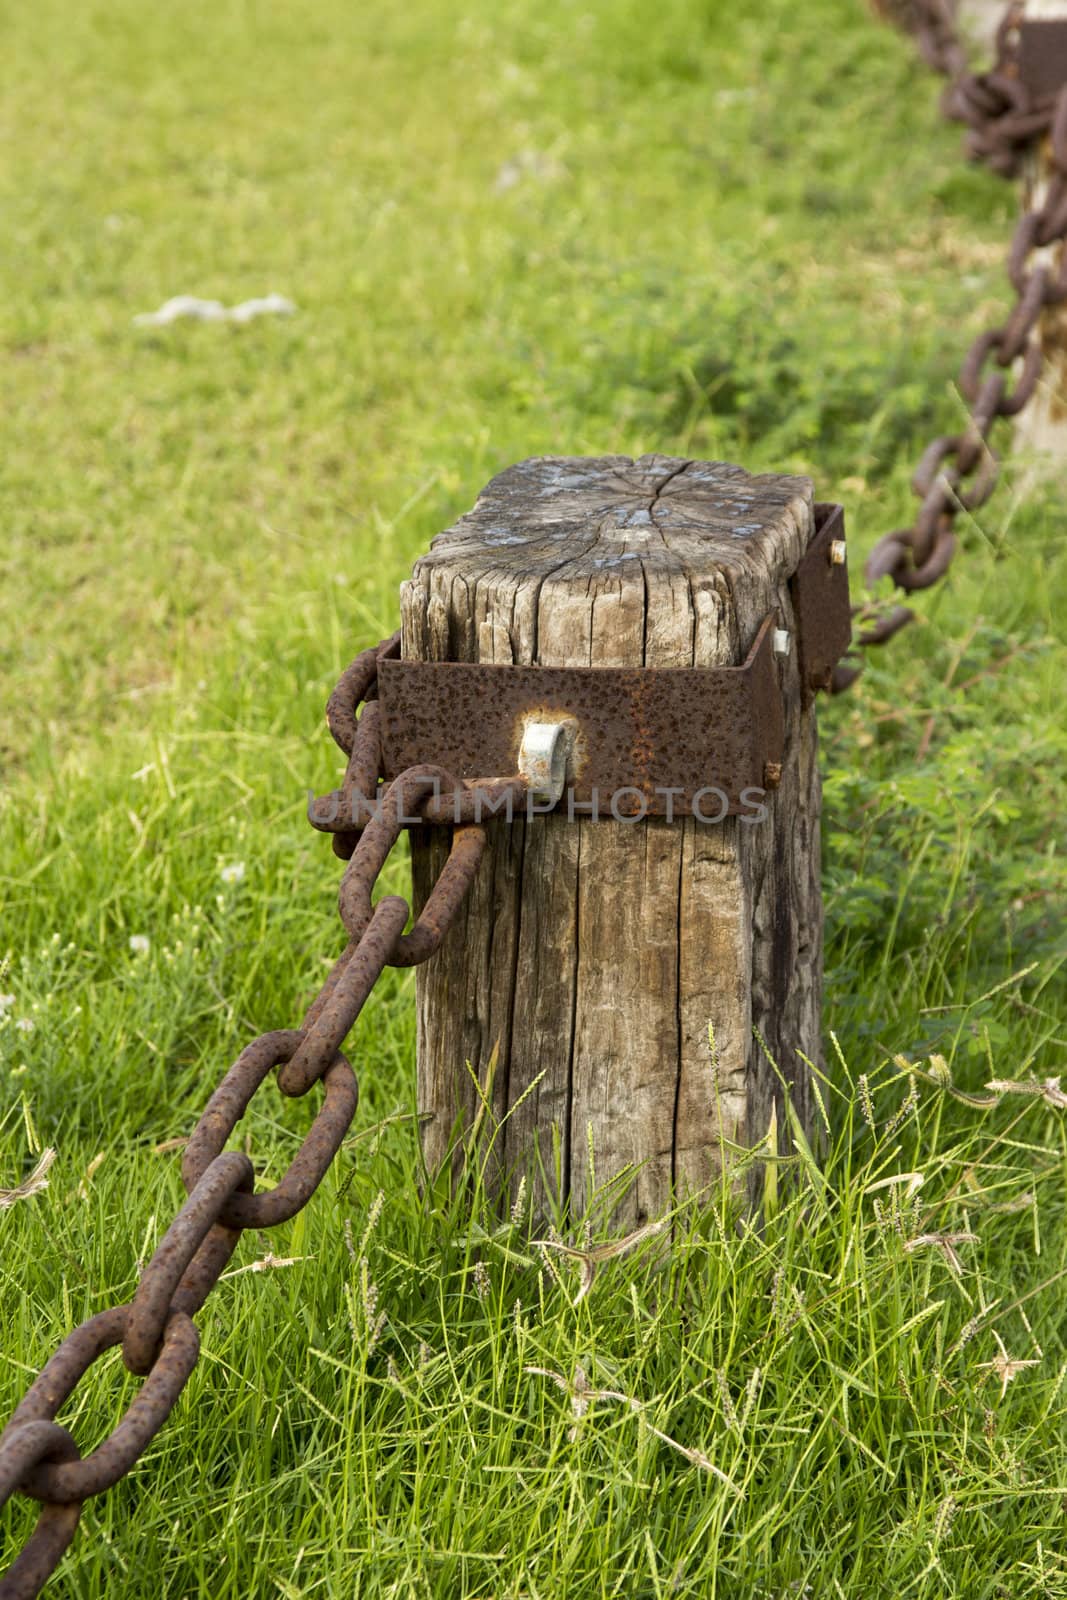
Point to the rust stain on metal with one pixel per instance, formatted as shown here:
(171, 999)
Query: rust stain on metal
(69, 1482)
(228, 1105)
(819, 588)
(654, 737)
(27, 1447)
(1042, 48)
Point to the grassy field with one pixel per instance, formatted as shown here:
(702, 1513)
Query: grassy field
(715, 230)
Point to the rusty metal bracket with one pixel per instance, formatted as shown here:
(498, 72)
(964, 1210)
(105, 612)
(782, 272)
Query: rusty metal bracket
(647, 741)
(819, 589)
(1042, 57)
(641, 741)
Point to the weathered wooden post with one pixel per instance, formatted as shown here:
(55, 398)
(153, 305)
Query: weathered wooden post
(979, 20)
(627, 976)
(1042, 424)
(941, 20)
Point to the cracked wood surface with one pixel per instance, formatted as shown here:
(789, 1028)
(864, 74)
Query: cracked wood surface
(593, 957)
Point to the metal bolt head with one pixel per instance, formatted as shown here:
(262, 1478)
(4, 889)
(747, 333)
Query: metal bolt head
(543, 760)
(838, 552)
(782, 641)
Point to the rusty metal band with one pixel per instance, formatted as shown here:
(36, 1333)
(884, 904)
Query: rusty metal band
(649, 739)
(819, 590)
(1042, 57)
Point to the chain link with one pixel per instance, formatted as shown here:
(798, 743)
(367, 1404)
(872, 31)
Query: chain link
(159, 1339)
(958, 472)
(1002, 123)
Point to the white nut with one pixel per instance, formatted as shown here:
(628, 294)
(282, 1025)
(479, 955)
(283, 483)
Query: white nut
(543, 760)
(782, 641)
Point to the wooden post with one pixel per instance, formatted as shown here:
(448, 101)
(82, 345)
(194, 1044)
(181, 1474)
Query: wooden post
(1042, 425)
(979, 20)
(595, 960)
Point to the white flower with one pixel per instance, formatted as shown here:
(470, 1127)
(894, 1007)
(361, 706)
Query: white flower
(6, 1002)
(140, 944)
(25, 1025)
(233, 873)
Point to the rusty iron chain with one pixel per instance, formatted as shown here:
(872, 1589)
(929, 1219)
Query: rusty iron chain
(344, 811)
(958, 472)
(1002, 121)
(159, 1340)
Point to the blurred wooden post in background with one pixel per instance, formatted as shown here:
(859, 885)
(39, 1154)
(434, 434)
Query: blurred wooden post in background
(592, 958)
(978, 21)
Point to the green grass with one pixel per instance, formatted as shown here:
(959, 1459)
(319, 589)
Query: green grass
(734, 234)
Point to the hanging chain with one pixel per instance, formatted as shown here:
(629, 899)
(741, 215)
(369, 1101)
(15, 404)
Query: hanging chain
(1003, 123)
(155, 1330)
(958, 472)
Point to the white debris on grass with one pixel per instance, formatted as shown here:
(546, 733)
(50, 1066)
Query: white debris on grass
(591, 1258)
(189, 305)
(37, 1180)
(270, 305)
(528, 164)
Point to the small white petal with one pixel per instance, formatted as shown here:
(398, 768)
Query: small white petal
(140, 944)
(233, 873)
(25, 1025)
